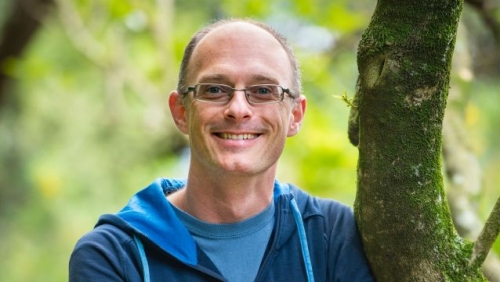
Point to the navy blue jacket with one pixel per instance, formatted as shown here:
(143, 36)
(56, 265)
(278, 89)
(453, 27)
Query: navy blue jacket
(110, 251)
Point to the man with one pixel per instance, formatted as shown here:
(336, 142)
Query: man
(238, 99)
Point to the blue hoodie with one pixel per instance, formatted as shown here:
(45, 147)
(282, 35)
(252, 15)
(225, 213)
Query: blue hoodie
(313, 240)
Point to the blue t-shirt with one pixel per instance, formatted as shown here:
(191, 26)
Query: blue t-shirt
(236, 249)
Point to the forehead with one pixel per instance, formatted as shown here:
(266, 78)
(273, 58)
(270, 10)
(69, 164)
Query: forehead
(240, 50)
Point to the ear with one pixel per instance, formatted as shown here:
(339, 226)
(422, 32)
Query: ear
(297, 115)
(178, 111)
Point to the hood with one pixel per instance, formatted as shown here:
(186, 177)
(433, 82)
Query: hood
(149, 215)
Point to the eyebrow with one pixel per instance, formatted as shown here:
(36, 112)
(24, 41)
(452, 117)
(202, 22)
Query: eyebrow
(265, 78)
(222, 78)
(213, 78)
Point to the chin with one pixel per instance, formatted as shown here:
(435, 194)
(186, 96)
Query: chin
(243, 169)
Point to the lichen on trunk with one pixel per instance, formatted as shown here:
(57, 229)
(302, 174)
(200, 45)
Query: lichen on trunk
(404, 61)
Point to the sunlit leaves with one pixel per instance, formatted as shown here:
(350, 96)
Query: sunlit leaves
(342, 15)
(244, 8)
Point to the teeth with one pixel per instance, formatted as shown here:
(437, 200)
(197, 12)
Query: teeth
(238, 136)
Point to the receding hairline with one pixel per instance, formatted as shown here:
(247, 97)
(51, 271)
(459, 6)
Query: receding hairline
(238, 22)
(213, 26)
(237, 32)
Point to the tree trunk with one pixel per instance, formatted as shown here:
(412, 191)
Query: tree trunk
(23, 20)
(404, 61)
(21, 25)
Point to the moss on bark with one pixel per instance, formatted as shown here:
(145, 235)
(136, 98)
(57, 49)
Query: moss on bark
(404, 61)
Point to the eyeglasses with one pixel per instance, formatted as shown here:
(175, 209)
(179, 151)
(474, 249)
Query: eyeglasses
(255, 94)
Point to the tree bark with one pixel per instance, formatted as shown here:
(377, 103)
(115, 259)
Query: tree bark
(21, 25)
(404, 61)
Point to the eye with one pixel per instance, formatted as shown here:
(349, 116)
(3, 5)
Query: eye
(213, 89)
(262, 89)
(213, 92)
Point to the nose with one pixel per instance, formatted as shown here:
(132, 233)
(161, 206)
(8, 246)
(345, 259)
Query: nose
(238, 108)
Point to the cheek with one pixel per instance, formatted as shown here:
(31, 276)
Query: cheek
(286, 119)
(281, 125)
(197, 119)
(193, 123)
(291, 129)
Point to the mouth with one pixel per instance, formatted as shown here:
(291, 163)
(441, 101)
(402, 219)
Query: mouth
(246, 136)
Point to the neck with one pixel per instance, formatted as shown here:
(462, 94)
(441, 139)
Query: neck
(224, 198)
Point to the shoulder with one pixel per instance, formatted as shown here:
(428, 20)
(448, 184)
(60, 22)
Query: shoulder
(345, 255)
(334, 218)
(106, 251)
(103, 236)
(330, 208)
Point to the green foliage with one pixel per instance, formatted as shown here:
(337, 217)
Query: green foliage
(342, 16)
(88, 124)
(348, 101)
(244, 8)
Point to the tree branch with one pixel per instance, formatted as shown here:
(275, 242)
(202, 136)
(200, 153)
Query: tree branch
(488, 11)
(80, 36)
(116, 63)
(487, 237)
(162, 31)
(16, 33)
(462, 165)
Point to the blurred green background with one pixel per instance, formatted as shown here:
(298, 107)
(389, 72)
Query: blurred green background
(85, 121)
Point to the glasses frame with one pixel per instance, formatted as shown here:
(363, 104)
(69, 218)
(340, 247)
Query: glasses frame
(231, 94)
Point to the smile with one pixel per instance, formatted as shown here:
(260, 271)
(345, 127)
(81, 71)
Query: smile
(237, 136)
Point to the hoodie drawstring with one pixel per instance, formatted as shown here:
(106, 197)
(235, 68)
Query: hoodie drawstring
(300, 228)
(303, 240)
(144, 259)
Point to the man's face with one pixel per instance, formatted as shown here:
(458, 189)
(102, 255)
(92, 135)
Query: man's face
(238, 137)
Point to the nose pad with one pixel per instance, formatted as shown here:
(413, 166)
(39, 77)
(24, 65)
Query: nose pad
(232, 96)
(238, 106)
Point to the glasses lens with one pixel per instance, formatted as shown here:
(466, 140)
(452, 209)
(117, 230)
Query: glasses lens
(264, 93)
(256, 94)
(215, 93)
